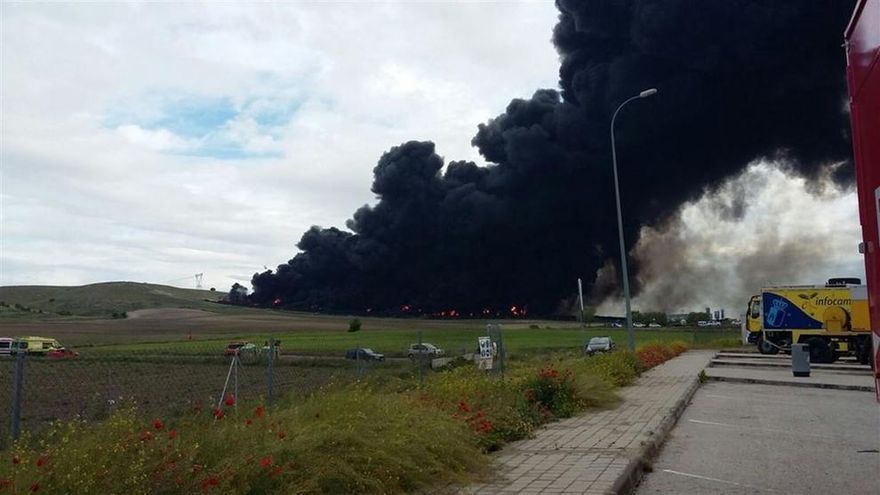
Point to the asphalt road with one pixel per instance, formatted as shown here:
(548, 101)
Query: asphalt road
(752, 439)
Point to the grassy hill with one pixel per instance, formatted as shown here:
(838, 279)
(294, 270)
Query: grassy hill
(97, 300)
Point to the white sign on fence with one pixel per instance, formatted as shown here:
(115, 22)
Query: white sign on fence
(484, 360)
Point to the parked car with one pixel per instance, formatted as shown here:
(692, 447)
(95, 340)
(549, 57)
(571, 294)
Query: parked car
(34, 345)
(61, 353)
(238, 348)
(599, 344)
(364, 354)
(5, 346)
(639, 325)
(654, 325)
(616, 325)
(424, 350)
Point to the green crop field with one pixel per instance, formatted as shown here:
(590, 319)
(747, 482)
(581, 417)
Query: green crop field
(168, 320)
(394, 342)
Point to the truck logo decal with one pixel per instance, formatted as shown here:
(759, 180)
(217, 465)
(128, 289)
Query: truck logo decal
(776, 315)
(782, 313)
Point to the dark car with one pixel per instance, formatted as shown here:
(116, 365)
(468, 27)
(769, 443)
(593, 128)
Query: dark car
(364, 354)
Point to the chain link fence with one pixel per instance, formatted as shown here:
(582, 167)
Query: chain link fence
(159, 380)
(163, 379)
(167, 379)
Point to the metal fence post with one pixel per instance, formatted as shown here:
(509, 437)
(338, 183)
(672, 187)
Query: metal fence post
(501, 351)
(270, 378)
(421, 357)
(16, 395)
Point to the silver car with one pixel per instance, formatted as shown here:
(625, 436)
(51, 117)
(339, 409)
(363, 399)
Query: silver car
(599, 344)
(423, 350)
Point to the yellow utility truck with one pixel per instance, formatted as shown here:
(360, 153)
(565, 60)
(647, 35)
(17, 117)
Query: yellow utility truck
(832, 319)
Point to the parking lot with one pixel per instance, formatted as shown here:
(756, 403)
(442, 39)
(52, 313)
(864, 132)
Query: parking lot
(738, 438)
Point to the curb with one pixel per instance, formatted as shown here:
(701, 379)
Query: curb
(859, 388)
(852, 371)
(634, 470)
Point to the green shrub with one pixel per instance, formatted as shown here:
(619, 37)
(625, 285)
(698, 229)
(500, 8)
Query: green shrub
(346, 441)
(490, 407)
(653, 354)
(552, 392)
(619, 368)
(354, 325)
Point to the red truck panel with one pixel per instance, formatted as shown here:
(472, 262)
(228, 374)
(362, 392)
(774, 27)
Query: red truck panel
(863, 78)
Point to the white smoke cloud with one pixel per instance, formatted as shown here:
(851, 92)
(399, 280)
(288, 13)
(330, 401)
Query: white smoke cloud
(764, 227)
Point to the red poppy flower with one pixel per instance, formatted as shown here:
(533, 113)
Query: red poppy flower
(35, 487)
(16, 459)
(209, 482)
(248, 422)
(281, 435)
(158, 424)
(5, 483)
(172, 434)
(259, 411)
(42, 460)
(266, 462)
(462, 406)
(219, 414)
(230, 400)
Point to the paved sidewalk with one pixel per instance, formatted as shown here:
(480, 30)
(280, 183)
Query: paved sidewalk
(601, 452)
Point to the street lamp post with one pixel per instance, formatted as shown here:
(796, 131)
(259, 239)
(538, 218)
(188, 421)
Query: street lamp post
(629, 323)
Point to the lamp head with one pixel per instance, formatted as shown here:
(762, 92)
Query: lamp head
(648, 92)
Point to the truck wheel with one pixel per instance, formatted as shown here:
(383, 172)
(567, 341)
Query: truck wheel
(820, 351)
(765, 347)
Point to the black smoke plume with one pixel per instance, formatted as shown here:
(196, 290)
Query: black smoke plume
(738, 80)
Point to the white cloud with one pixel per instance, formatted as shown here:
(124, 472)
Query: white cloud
(156, 140)
(100, 182)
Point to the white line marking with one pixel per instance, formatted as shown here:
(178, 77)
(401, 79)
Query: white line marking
(697, 476)
(770, 430)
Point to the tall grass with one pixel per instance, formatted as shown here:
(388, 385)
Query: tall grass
(380, 436)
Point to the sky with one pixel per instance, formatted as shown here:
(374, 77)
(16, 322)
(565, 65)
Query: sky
(151, 142)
